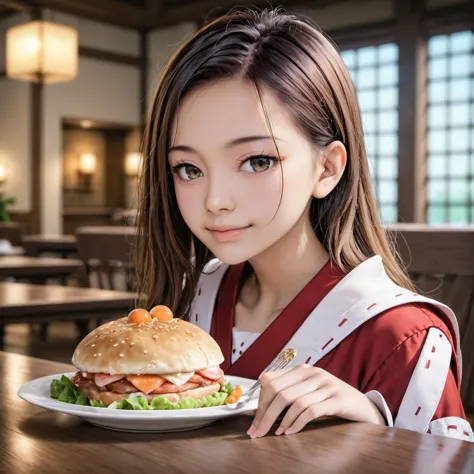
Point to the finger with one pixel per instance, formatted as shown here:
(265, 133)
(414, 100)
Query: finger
(326, 408)
(267, 376)
(283, 399)
(270, 389)
(301, 405)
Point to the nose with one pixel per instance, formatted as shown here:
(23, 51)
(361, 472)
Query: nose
(219, 197)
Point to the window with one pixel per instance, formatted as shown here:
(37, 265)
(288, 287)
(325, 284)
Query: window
(450, 123)
(374, 71)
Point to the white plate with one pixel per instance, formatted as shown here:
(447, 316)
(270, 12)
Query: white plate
(37, 392)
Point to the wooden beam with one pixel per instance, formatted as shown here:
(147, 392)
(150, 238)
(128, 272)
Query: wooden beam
(36, 130)
(102, 55)
(143, 97)
(107, 11)
(199, 10)
(411, 123)
(371, 34)
(449, 19)
(16, 5)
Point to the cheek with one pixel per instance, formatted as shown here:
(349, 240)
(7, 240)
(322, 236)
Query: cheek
(189, 203)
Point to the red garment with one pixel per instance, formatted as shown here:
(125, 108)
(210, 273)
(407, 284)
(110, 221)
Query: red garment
(379, 355)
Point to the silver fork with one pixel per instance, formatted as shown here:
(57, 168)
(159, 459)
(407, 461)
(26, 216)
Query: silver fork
(280, 362)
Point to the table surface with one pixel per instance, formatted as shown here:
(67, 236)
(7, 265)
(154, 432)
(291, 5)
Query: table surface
(33, 440)
(25, 298)
(22, 262)
(37, 267)
(50, 238)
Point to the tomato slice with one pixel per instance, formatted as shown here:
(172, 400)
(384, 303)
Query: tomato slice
(146, 383)
(215, 373)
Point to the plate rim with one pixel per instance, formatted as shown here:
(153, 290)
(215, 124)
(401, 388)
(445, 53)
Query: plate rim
(27, 394)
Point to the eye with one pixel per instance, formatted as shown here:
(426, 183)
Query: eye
(258, 164)
(187, 172)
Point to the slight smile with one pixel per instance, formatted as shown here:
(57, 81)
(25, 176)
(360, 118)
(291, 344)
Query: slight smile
(227, 233)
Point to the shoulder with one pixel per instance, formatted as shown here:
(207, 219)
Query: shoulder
(398, 336)
(399, 324)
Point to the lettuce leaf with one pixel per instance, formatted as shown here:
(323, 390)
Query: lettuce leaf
(65, 391)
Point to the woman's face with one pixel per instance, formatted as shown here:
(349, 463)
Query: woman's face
(227, 172)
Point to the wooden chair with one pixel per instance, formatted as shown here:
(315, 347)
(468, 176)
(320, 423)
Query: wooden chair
(11, 231)
(440, 260)
(107, 256)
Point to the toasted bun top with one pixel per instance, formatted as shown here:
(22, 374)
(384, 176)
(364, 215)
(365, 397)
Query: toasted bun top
(120, 347)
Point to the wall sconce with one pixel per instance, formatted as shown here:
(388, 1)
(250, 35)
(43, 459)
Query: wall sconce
(87, 168)
(132, 164)
(3, 174)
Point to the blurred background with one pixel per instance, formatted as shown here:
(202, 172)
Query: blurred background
(76, 78)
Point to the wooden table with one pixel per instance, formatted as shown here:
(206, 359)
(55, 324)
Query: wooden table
(64, 245)
(37, 269)
(36, 441)
(26, 303)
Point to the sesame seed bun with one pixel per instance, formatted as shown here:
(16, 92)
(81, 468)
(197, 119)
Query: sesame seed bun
(157, 347)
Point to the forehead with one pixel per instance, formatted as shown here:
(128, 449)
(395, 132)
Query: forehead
(225, 110)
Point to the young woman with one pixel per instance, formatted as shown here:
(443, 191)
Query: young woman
(255, 164)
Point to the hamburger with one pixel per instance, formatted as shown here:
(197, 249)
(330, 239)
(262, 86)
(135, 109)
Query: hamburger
(148, 360)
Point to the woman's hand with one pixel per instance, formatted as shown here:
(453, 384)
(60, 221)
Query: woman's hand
(311, 393)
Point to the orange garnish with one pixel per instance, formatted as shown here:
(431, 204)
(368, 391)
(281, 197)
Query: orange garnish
(162, 313)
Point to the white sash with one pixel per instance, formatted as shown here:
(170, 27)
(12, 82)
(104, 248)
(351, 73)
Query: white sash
(362, 294)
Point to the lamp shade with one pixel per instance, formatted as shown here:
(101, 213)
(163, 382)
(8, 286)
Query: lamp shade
(87, 163)
(132, 164)
(3, 174)
(41, 51)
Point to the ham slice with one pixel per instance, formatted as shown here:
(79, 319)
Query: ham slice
(101, 380)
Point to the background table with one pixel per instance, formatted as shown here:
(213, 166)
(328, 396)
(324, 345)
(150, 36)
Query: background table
(26, 303)
(63, 245)
(37, 269)
(36, 441)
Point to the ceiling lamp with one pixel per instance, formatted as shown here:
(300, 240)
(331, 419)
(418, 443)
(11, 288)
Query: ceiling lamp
(41, 51)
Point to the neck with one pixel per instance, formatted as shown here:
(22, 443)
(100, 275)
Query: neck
(283, 270)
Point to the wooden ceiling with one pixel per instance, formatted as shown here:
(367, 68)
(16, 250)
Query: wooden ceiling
(146, 14)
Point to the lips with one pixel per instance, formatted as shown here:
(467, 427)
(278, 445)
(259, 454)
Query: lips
(227, 233)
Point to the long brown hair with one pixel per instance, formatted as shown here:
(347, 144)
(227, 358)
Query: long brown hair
(291, 57)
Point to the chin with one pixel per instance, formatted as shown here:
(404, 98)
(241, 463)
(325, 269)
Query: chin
(232, 255)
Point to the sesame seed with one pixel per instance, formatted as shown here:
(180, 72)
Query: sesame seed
(187, 339)
(173, 339)
(126, 338)
(161, 327)
(121, 354)
(93, 345)
(155, 336)
(123, 342)
(145, 351)
(187, 331)
(95, 355)
(115, 345)
(132, 343)
(100, 353)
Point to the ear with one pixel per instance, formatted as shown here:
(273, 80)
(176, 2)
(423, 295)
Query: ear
(332, 164)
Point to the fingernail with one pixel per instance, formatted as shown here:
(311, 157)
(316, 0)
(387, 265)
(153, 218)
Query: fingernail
(290, 431)
(279, 431)
(251, 429)
(255, 434)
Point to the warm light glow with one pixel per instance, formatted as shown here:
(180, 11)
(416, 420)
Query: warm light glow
(41, 51)
(132, 164)
(3, 174)
(87, 163)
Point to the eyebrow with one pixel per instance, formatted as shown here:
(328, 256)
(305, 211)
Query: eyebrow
(231, 144)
